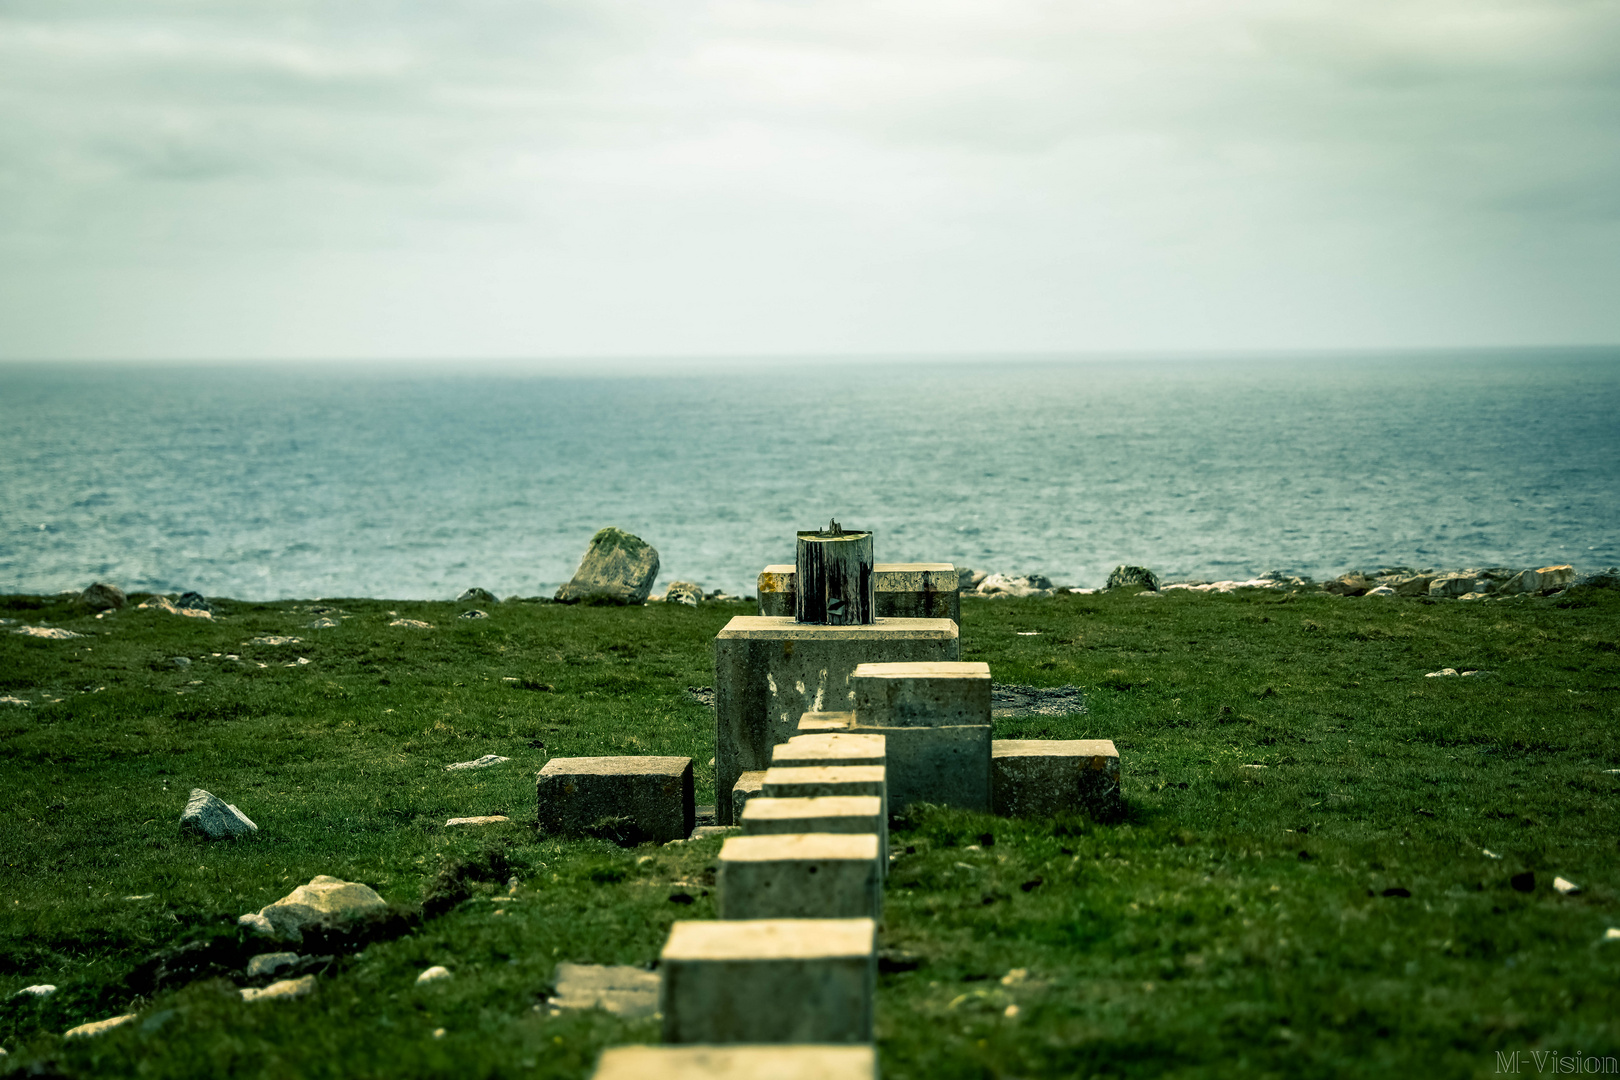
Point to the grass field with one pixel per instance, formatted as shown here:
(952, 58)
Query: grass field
(1300, 885)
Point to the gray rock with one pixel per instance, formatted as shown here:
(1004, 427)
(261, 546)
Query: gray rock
(617, 568)
(475, 595)
(621, 990)
(180, 661)
(1126, 576)
(193, 601)
(1545, 580)
(683, 592)
(270, 963)
(1602, 579)
(481, 763)
(1005, 585)
(100, 597)
(213, 818)
(1457, 584)
(967, 580)
(474, 614)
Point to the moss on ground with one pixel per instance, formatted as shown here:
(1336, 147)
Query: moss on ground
(1300, 885)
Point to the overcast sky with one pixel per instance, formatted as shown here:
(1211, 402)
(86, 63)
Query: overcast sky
(526, 178)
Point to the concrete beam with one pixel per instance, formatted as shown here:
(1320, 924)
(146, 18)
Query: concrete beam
(648, 798)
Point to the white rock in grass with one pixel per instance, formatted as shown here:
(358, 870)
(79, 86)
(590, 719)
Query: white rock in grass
(324, 899)
(414, 624)
(53, 632)
(97, 1027)
(1612, 934)
(1445, 671)
(1382, 590)
(257, 923)
(212, 817)
(270, 963)
(433, 974)
(38, 990)
(491, 819)
(1565, 886)
(281, 991)
(482, 763)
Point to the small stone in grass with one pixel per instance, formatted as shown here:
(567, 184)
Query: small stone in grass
(38, 990)
(490, 819)
(270, 963)
(283, 990)
(481, 763)
(1565, 886)
(97, 1027)
(1612, 934)
(433, 974)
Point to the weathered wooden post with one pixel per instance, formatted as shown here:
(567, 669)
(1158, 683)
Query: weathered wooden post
(833, 572)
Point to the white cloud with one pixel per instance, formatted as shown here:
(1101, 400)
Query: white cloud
(628, 176)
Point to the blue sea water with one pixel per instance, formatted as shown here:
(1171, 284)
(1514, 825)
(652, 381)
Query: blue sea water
(302, 481)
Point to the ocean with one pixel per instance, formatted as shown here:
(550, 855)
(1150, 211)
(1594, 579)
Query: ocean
(280, 481)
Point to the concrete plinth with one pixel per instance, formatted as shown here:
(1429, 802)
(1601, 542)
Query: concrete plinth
(901, 590)
(748, 785)
(921, 694)
(815, 781)
(769, 672)
(832, 748)
(738, 1063)
(819, 723)
(801, 876)
(626, 798)
(769, 981)
(824, 814)
(947, 765)
(1035, 778)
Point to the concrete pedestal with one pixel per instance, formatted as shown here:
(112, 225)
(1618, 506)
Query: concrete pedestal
(737, 1063)
(1036, 778)
(769, 981)
(813, 781)
(748, 785)
(831, 748)
(946, 765)
(824, 814)
(926, 694)
(801, 876)
(648, 798)
(820, 723)
(902, 590)
(769, 672)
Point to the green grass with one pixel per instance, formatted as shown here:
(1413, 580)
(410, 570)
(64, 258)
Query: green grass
(1233, 922)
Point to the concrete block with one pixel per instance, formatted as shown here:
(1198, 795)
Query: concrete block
(748, 785)
(815, 781)
(835, 748)
(902, 590)
(820, 814)
(815, 723)
(738, 1063)
(769, 672)
(921, 694)
(801, 876)
(769, 981)
(947, 765)
(1034, 778)
(629, 799)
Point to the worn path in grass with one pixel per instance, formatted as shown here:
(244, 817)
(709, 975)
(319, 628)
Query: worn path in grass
(1290, 776)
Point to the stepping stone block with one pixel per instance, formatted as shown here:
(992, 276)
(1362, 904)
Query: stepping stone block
(945, 765)
(1033, 778)
(834, 748)
(812, 781)
(901, 590)
(800, 876)
(738, 1063)
(747, 786)
(925, 694)
(769, 981)
(630, 992)
(629, 798)
(769, 672)
(818, 814)
(844, 814)
(820, 723)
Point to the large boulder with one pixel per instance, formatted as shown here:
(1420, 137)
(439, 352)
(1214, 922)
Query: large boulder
(475, 595)
(1006, 585)
(683, 592)
(101, 597)
(1546, 579)
(1126, 576)
(211, 817)
(617, 568)
(1351, 584)
(1460, 583)
(324, 900)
